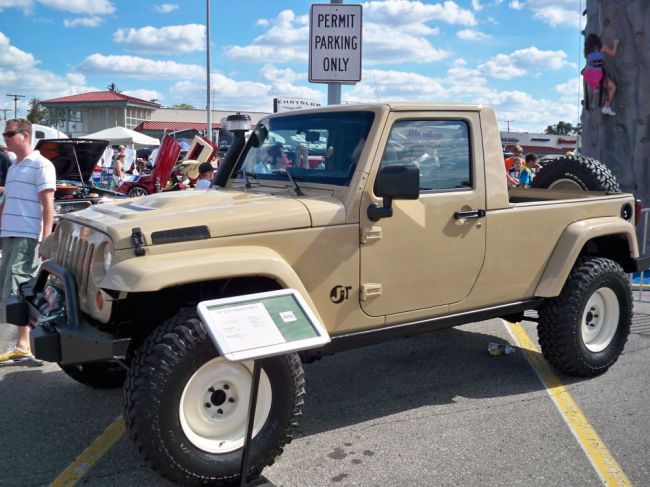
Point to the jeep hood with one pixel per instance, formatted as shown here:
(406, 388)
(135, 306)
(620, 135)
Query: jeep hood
(195, 215)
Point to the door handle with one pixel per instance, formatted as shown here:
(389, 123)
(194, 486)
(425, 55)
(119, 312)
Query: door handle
(459, 215)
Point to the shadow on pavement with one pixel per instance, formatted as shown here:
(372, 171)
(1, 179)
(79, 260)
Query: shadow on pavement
(393, 377)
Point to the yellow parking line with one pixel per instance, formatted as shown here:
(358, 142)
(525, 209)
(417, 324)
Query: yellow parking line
(607, 468)
(77, 469)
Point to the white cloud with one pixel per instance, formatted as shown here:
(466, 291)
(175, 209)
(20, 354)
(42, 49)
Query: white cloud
(165, 8)
(25, 5)
(476, 5)
(517, 63)
(397, 39)
(383, 44)
(404, 12)
(88, 7)
(472, 35)
(386, 85)
(83, 22)
(13, 58)
(571, 90)
(20, 69)
(145, 94)
(139, 68)
(565, 13)
(177, 39)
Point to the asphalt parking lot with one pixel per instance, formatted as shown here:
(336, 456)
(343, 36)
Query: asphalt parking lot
(432, 410)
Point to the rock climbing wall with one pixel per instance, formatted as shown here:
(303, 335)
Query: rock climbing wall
(623, 141)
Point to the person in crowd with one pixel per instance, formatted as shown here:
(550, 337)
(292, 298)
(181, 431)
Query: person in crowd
(5, 162)
(532, 162)
(528, 170)
(277, 157)
(594, 72)
(206, 172)
(118, 168)
(517, 151)
(514, 172)
(26, 218)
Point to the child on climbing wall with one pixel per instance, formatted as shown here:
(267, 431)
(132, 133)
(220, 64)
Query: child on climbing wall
(594, 74)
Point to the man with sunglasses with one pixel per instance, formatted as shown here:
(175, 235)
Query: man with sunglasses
(26, 216)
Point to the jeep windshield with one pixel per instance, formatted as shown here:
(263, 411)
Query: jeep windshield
(313, 148)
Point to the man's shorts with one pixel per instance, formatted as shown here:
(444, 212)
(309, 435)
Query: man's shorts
(19, 264)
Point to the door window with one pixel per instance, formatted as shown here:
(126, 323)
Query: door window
(440, 149)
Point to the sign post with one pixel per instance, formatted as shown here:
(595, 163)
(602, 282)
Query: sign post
(256, 326)
(335, 46)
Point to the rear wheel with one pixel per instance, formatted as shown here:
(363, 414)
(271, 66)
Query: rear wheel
(576, 173)
(186, 408)
(583, 331)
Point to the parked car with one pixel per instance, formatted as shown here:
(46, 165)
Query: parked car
(74, 161)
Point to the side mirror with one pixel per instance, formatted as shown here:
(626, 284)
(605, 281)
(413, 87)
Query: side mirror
(400, 182)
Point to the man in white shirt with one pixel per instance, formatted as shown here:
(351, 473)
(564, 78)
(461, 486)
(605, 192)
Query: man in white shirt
(26, 217)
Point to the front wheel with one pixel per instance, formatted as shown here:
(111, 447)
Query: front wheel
(186, 408)
(583, 331)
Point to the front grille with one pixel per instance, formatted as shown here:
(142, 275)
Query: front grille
(75, 254)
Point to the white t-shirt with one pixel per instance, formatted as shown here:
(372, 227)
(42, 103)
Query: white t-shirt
(22, 215)
(203, 184)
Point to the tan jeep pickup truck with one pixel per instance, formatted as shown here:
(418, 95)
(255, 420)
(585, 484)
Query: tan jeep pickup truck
(389, 219)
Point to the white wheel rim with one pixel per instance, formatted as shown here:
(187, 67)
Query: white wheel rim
(600, 320)
(214, 406)
(565, 184)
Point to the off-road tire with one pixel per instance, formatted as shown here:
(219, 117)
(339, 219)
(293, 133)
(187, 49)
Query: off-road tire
(100, 375)
(564, 319)
(162, 368)
(576, 172)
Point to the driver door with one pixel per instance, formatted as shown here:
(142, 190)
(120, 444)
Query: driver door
(425, 256)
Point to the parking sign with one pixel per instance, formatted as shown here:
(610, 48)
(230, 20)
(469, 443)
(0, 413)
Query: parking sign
(335, 43)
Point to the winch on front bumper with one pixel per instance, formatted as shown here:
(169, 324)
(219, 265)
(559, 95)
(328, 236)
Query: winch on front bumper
(50, 304)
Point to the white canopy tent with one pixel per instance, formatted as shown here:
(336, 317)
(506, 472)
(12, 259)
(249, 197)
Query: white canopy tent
(121, 135)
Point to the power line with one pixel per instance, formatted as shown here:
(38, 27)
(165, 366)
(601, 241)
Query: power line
(15, 97)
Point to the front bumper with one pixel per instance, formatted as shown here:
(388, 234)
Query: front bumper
(68, 338)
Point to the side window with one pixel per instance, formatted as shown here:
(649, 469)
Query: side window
(440, 148)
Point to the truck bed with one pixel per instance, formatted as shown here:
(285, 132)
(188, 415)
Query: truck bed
(534, 195)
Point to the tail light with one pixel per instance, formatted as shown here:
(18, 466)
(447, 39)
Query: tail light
(638, 208)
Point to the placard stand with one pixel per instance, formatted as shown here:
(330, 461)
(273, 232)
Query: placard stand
(251, 421)
(256, 326)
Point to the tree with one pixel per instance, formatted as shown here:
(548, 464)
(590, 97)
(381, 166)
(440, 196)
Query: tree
(113, 88)
(564, 128)
(37, 113)
(183, 106)
(622, 142)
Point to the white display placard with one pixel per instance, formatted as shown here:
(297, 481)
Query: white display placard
(262, 325)
(335, 43)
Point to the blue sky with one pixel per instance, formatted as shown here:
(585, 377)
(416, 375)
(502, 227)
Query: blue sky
(520, 56)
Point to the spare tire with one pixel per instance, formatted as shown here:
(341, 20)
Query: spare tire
(576, 173)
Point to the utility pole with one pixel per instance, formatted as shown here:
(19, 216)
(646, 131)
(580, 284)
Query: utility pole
(508, 122)
(207, 58)
(4, 112)
(15, 97)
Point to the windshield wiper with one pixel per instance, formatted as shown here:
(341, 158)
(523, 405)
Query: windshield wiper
(292, 180)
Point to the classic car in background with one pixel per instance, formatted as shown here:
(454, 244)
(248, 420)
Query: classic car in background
(74, 161)
(168, 173)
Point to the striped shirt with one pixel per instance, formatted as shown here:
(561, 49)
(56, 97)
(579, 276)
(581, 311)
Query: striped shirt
(22, 215)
